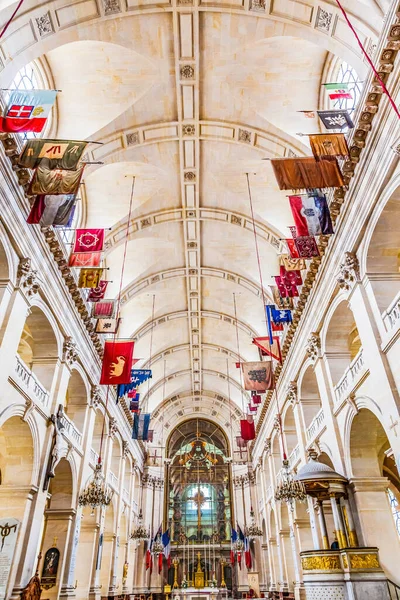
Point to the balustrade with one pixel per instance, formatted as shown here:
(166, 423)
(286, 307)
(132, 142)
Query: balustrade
(350, 377)
(391, 316)
(94, 457)
(30, 382)
(70, 431)
(294, 456)
(316, 425)
(113, 480)
(125, 495)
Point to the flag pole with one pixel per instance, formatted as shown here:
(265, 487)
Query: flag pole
(17, 90)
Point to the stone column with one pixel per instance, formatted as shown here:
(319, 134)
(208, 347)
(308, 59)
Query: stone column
(352, 534)
(377, 524)
(338, 522)
(322, 525)
(68, 585)
(10, 333)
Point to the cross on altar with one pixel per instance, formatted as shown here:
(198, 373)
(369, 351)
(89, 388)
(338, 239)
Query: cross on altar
(393, 425)
(155, 456)
(240, 451)
(199, 498)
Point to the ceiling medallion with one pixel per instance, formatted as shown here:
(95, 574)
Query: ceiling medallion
(187, 72)
(289, 490)
(189, 176)
(188, 130)
(97, 493)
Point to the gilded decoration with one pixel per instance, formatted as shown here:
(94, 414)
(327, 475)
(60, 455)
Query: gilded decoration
(345, 561)
(364, 561)
(320, 563)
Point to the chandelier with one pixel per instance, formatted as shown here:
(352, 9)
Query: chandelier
(158, 546)
(253, 529)
(140, 533)
(289, 490)
(97, 493)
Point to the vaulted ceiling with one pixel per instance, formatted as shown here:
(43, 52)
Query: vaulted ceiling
(188, 97)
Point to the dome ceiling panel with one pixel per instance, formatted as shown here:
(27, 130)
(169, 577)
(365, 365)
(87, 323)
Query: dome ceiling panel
(173, 331)
(253, 73)
(237, 253)
(222, 331)
(104, 85)
(224, 183)
(156, 184)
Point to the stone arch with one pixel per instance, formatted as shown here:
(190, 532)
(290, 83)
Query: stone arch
(77, 399)
(40, 345)
(276, 452)
(341, 343)
(100, 431)
(17, 472)
(381, 256)
(309, 396)
(289, 429)
(116, 456)
(371, 461)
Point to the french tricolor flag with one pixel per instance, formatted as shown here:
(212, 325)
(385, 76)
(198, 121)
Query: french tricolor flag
(311, 215)
(27, 110)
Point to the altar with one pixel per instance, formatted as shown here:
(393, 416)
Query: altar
(205, 593)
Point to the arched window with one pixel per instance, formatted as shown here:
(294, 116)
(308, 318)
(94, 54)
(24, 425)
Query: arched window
(31, 77)
(346, 74)
(395, 506)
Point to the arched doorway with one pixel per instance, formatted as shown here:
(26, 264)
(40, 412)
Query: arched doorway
(199, 496)
(58, 524)
(374, 472)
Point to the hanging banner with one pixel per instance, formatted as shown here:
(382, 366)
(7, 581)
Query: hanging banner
(84, 259)
(89, 240)
(117, 362)
(329, 144)
(292, 264)
(335, 119)
(258, 376)
(55, 181)
(107, 325)
(27, 110)
(98, 292)
(89, 278)
(306, 173)
(268, 349)
(247, 429)
(311, 214)
(140, 428)
(52, 210)
(104, 308)
(59, 154)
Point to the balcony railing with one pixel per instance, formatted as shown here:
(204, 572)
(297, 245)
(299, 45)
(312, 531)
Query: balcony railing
(70, 431)
(316, 425)
(391, 316)
(125, 494)
(94, 457)
(29, 381)
(113, 480)
(294, 456)
(351, 377)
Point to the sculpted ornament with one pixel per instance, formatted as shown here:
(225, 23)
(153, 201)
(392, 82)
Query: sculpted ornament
(95, 396)
(320, 563)
(125, 449)
(113, 427)
(291, 392)
(70, 354)
(313, 346)
(28, 278)
(349, 271)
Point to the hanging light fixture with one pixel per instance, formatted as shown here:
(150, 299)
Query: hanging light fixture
(140, 533)
(97, 493)
(289, 490)
(253, 529)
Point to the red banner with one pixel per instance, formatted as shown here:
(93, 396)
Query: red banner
(247, 429)
(89, 240)
(85, 259)
(117, 362)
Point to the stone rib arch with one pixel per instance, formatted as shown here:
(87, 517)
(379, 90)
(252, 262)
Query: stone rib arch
(184, 314)
(265, 231)
(65, 26)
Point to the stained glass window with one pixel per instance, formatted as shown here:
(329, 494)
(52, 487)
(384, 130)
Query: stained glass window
(347, 74)
(395, 506)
